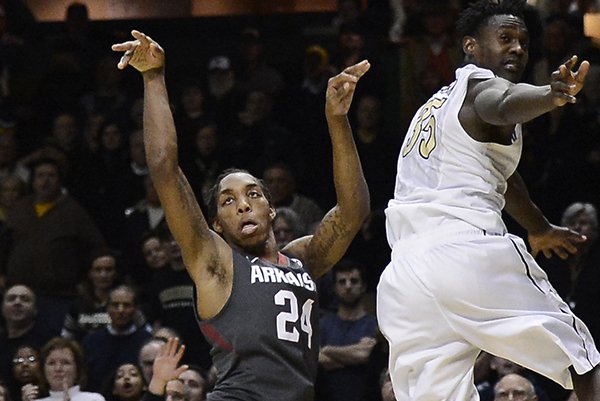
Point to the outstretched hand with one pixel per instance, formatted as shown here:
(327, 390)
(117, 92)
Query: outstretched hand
(559, 240)
(340, 88)
(566, 83)
(143, 53)
(165, 366)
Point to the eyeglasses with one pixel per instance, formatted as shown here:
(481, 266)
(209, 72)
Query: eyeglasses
(20, 360)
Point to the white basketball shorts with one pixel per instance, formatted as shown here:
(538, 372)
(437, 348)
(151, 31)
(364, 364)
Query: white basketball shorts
(444, 297)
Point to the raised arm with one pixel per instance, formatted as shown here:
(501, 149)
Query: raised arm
(500, 102)
(206, 256)
(339, 226)
(543, 236)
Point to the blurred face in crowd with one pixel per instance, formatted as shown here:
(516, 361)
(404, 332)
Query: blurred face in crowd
(584, 223)
(111, 137)
(194, 385)
(154, 253)
(60, 368)
(18, 306)
(206, 140)
(26, 365)
(349, 287)
(103, 272)
(64, 130)
(283, 230)
(192, 99)
(121, 308)
(129, 384)
(147, 356)
(175, 391)
(280, 184)
(46, 182)
(514, 387)
(11, 190)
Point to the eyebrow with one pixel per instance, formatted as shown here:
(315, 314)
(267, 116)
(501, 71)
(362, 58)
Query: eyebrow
(247, 187)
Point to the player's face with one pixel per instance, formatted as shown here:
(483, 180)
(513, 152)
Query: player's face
(244, 215)
(502, 46)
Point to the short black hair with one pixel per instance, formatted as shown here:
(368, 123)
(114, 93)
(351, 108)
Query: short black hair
(478, 13)
(347, 265)
(213, 194)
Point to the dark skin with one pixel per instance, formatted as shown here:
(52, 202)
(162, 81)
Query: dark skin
(490, 112)
(244, 216)
(493, 107)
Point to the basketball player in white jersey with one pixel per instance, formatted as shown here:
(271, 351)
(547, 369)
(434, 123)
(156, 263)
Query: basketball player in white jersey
(458, 283)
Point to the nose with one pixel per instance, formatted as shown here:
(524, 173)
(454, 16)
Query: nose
(518, 47)
(243, 205)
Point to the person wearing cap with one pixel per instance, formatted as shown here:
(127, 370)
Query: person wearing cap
(225, 96)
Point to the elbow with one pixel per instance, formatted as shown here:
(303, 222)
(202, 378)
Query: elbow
(162, 163)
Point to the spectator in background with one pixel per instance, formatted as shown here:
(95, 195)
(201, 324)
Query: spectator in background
(194, 383)
(126, 383)
(514, 387)
(256, 139)
(118, 342)
(147, 355)
(22, 325)
(287, 226)
(192, 113)
(146, 215)
(26, 369)
(64, 371)
(282, 186)
(255, 74)
(203, 162)
(12, 188)
(347, 339)
(9, 164)
(224, 94)
(4, 394)
(48, 241)
(376, 147)
(577, 278)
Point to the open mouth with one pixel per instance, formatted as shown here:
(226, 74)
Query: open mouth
(249, 227)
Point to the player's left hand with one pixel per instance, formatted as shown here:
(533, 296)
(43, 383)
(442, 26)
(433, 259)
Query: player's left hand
(340, 89)
(566, 83)
(559, 240)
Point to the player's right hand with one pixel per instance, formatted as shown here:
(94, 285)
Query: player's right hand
(143, 53)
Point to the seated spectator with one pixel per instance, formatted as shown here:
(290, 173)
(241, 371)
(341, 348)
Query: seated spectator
(166, 369)
(147, 355)
(48, 242)
(287, 226)
(26, 369)
(64, 371)
(347, 339)
(514, 387)
(22, 326)
(576, 278)
(89, 312)
(12, 188)
(282, 185)
(125, 384)
(118, 342)
(194, 383)
(146, 215)
(501, 368)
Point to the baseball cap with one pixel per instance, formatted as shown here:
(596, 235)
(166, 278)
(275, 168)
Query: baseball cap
(219, 63)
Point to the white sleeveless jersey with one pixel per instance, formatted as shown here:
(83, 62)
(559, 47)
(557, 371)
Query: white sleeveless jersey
(446, 179)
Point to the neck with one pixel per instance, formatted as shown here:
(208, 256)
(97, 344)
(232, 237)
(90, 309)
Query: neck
(355, 312)
(18, 329)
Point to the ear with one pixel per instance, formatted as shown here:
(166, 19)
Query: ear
(272, 213)
(468, 44)
(217, 226)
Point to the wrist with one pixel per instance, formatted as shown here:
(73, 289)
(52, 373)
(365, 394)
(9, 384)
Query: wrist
(157, 387)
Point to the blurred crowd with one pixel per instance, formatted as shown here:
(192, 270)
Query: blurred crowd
(90, 276)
